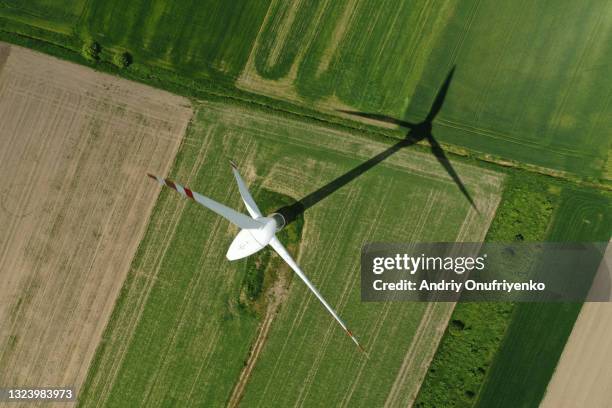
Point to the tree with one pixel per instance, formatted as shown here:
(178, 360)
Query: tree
(122, 59)
(91, 50)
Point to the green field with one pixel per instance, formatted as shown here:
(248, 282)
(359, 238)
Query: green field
(178, 335)
(332, 46)
(60, 17)
(474, 337)
(504, 354)
(531, 83)
(537, 334)
(176, 324)
(195, 38)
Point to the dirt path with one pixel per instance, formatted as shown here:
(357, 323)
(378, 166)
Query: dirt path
(75, 146)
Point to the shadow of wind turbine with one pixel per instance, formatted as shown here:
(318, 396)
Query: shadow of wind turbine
(291, 212)
(416, 133)
(422, 130)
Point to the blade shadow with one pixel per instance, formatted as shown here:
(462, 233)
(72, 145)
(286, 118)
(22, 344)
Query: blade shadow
(416, 133)
(291, 212)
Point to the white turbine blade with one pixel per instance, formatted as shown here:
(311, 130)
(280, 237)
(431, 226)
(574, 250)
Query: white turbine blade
(245, 194)
(282, 251)
(229, 214)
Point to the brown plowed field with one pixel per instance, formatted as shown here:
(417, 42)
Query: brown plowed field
(75, 146)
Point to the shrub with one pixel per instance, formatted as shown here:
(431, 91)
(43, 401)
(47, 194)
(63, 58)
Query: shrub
(91, 50)
(122, 59)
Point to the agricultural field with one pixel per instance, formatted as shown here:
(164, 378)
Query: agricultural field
(535, 89)
(531, 81)
(581, 377)
(75, 146)
(178, 334)
(508, 352)
(538, 332)
(57, 17)
(291, 91)
(196, 38)
(476, 331)
(320, 52)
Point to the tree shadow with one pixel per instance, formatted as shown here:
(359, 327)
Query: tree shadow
(416, 133)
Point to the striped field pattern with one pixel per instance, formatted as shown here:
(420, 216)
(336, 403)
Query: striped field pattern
(177, 335)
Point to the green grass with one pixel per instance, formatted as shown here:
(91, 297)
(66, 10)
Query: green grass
(177, 334)
(538, 331)
(181, 319)
(56, 16)
(531, 82)
(180, 295)
(501, 354)
(531, 85)
(253, 282)
(475, 334)
(386, 42)
(194, 38)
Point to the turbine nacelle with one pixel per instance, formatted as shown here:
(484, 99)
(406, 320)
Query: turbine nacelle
(250, 240)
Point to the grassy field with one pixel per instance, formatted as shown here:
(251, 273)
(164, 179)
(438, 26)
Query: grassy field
(60, 17)
(177, 334)
(321, 52)
(194, 38)
(505, 354)
(531, 82)
(534, 88)
(538, 332)
(473, 338)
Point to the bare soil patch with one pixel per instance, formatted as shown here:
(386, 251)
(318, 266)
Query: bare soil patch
(75, 147)
(582, 377)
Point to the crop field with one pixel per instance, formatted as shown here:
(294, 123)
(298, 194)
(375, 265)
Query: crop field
(198, 38)
(508, 355)
(580, 378)
(178, 334)
(317, 52)
(530, 88)
(535, 89)
(75, 146)
(538, 331)
(59, 17)
(531, 82)
(472, 340)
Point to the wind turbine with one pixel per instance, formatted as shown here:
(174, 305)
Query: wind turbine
(255, 233)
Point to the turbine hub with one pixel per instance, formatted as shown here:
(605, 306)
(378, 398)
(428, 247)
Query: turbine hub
(280, 221)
